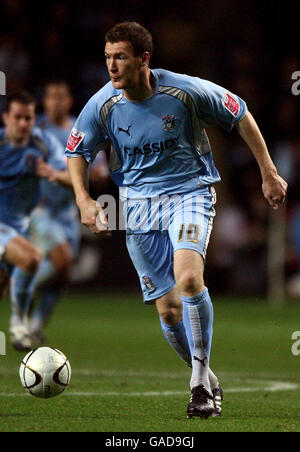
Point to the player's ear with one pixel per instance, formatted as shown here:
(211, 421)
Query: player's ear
(145, 59)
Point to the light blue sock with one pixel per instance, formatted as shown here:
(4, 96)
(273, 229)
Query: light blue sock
(45, 272)
(48, 299)
(176, 337)
(198, 323)
(22, 286)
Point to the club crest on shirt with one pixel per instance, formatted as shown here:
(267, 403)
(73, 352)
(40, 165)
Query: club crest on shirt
(231, 104)
(148, 283)
(75, 138)
(168, 122)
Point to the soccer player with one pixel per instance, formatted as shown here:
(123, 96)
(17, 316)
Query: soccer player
(26, 155)
(55, 225)
(154, 122)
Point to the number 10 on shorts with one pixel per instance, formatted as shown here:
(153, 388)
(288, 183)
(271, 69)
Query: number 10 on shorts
(191, 231)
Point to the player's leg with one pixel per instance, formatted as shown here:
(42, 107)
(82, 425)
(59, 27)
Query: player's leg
(152, 256)
(198, 322)
(46, 234)
(25, 258)
(49, 284)
(197, 307)
(58, 257)
(23, 254)
(56, 263)
(189, 232)
(169, 308)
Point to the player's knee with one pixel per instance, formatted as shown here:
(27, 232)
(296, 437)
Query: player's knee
(62, 261)
(190, 282)
(170, 312)
(31, 261)
(171, 316)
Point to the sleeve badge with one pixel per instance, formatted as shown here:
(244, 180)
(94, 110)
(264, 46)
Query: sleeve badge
(75, 138)
(231, 104)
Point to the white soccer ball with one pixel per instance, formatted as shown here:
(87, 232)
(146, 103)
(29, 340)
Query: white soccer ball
(45, 372)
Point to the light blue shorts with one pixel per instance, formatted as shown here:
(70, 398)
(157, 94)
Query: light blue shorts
(47, 232)
(158, 227)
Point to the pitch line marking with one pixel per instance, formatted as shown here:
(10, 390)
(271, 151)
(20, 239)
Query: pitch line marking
(234, 377)
(271, 386)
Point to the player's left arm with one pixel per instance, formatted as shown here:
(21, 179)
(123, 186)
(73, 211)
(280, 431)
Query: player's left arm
(217, 105)
(54, 167)
(273, 186)
(47, 171)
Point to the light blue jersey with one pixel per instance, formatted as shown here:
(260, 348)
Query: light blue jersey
(57, 198)
(57, 221)
(61, 134)
(158, 145)
(20, 187)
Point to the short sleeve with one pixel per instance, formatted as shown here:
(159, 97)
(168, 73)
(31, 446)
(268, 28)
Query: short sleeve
(217, 105)
(56, 157)
(87, 136)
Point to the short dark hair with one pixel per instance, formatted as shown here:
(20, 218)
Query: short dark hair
(22, 97)
(57, 82)
(138, 36)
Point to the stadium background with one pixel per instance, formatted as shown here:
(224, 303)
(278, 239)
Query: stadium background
(248, 47)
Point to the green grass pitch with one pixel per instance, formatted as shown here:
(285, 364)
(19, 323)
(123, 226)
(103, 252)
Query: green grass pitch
(127, 379)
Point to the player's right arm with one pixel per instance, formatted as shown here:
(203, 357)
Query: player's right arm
(78, 170)
(86, 137)
(91, 213)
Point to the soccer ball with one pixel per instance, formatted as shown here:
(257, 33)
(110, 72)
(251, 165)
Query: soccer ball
(45, 372)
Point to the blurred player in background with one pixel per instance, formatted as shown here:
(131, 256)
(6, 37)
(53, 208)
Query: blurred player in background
(55, 225)
(153, 121)
(57, 105)
(26, 154)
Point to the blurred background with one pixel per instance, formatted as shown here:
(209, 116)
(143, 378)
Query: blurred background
(250, 48)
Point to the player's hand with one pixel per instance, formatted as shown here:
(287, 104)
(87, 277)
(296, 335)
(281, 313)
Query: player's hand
(93, 217)
(274, 189)
(45, 170)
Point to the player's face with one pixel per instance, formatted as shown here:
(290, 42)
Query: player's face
(19, 121)
(57, 101)
(123, 66)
